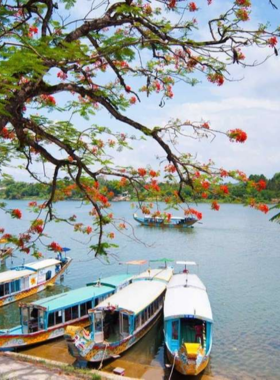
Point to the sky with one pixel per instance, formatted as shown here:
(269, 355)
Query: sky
(251, 102)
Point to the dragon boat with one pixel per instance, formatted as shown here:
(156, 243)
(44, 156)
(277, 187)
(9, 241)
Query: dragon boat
(122, 319)
(49, 317)
(187, 323)
(173, 222)
(28, 279)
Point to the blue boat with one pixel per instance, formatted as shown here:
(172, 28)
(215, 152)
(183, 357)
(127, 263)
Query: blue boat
(49, 317)
(173, 222)
(187, 323)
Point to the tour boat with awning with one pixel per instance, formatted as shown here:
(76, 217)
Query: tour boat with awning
(122, 319)
(28, 279)
(48, 318)
(187, 323)
(173, 222)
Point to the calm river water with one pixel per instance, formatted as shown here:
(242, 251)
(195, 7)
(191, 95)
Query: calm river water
(238, 251)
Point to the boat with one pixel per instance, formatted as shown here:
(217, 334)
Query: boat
(28, 279)
(187, 323)
(122, 319)
(173, 222)
(122, 197)
(47, 319)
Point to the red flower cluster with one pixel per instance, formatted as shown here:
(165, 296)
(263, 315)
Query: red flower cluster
(49, 100)
(145, 210)
(55, 247)
(127, 88)
(123, 182)
(88, 230)
(205, 185)
(243, 3)
(242, 14)
(172, 3)
(263, 208)
(224, 189)
(170, 168)
(32, 30)
(223, 173)
(261, 185)
(153, 173)
(62, 75)
(6, 134)
(192, 7)
(32, 204)
(205, 125)
(237, 135)
(215, 206)
(272, 41)
(216, 78)
(204, 195)
(132, 100)
(142, 172)
(16, 213)
(192, 211)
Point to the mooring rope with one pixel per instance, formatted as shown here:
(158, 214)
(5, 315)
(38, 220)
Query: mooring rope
(173, 365)
(101, 363)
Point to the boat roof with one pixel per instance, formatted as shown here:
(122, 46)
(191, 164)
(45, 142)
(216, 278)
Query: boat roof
(80, 295)
(117, 280)
(162, 274)
(135, 297)
(42, 264)
(14, 274)
(187, 298)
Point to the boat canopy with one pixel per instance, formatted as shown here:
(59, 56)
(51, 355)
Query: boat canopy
(42, 264)
(186, 263)
(156, 274)
(115, 281)
(135, 297)
(14, 274)
(186, 296)
(81, 295)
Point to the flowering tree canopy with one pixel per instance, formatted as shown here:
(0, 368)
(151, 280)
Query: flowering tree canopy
(119, 53)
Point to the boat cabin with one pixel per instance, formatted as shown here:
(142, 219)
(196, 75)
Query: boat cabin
(28, 276)
(68, 307)
(127, 312)
(187, 314)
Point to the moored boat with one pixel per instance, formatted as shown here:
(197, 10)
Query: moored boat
(26, 280)
(48, 318)
(187, 323)
(122, 319)
(173, 222)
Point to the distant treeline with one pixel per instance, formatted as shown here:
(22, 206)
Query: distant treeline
(10, 189)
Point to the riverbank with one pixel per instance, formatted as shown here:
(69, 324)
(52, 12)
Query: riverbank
(18, 366)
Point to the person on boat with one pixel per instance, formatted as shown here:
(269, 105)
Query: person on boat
(199, 333)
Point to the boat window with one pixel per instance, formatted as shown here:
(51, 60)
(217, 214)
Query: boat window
(68, 314)
(48, 275)
(15, 286)
(125, 324)
(1, 290)
(175, 326)
(83, 310)
(51, 320)
(137, 321)
(75, 312)
(58, 317)
(7, 288)
(89, 305)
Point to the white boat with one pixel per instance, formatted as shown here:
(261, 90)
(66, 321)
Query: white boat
(122, 319)
(26, 280)
(187, 323)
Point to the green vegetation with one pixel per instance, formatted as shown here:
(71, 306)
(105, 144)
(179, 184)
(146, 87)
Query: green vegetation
(11, 189)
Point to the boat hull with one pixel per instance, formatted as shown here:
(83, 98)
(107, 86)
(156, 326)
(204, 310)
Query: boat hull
(187, 365)
(12, 342)
(36, 289)
(80, 348)
(165, 224)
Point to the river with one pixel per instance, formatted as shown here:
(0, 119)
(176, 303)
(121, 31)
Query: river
(238, 252)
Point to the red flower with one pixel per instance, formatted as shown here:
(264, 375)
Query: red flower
(111, 235)
(153, 173)
(223, 173)
(172, 3)
(272, 41)
(261, 185)
(145, 210)
(204, 195)
(127, 88)
(205, 125)
(243, 3)
(224, 189)
(123, 182)
(194, 212)
(242, 14)
(205, 185)
(88, 230)
(132, 100)
(55, 247)
(237, 135)
(62, 75)
(192, 7)
(142, 172)
(215, 206)
(16, 213)
(170, 168)
(32, 204)
(49, 100)
(33, 29)
(216, 78)
(263, 208)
